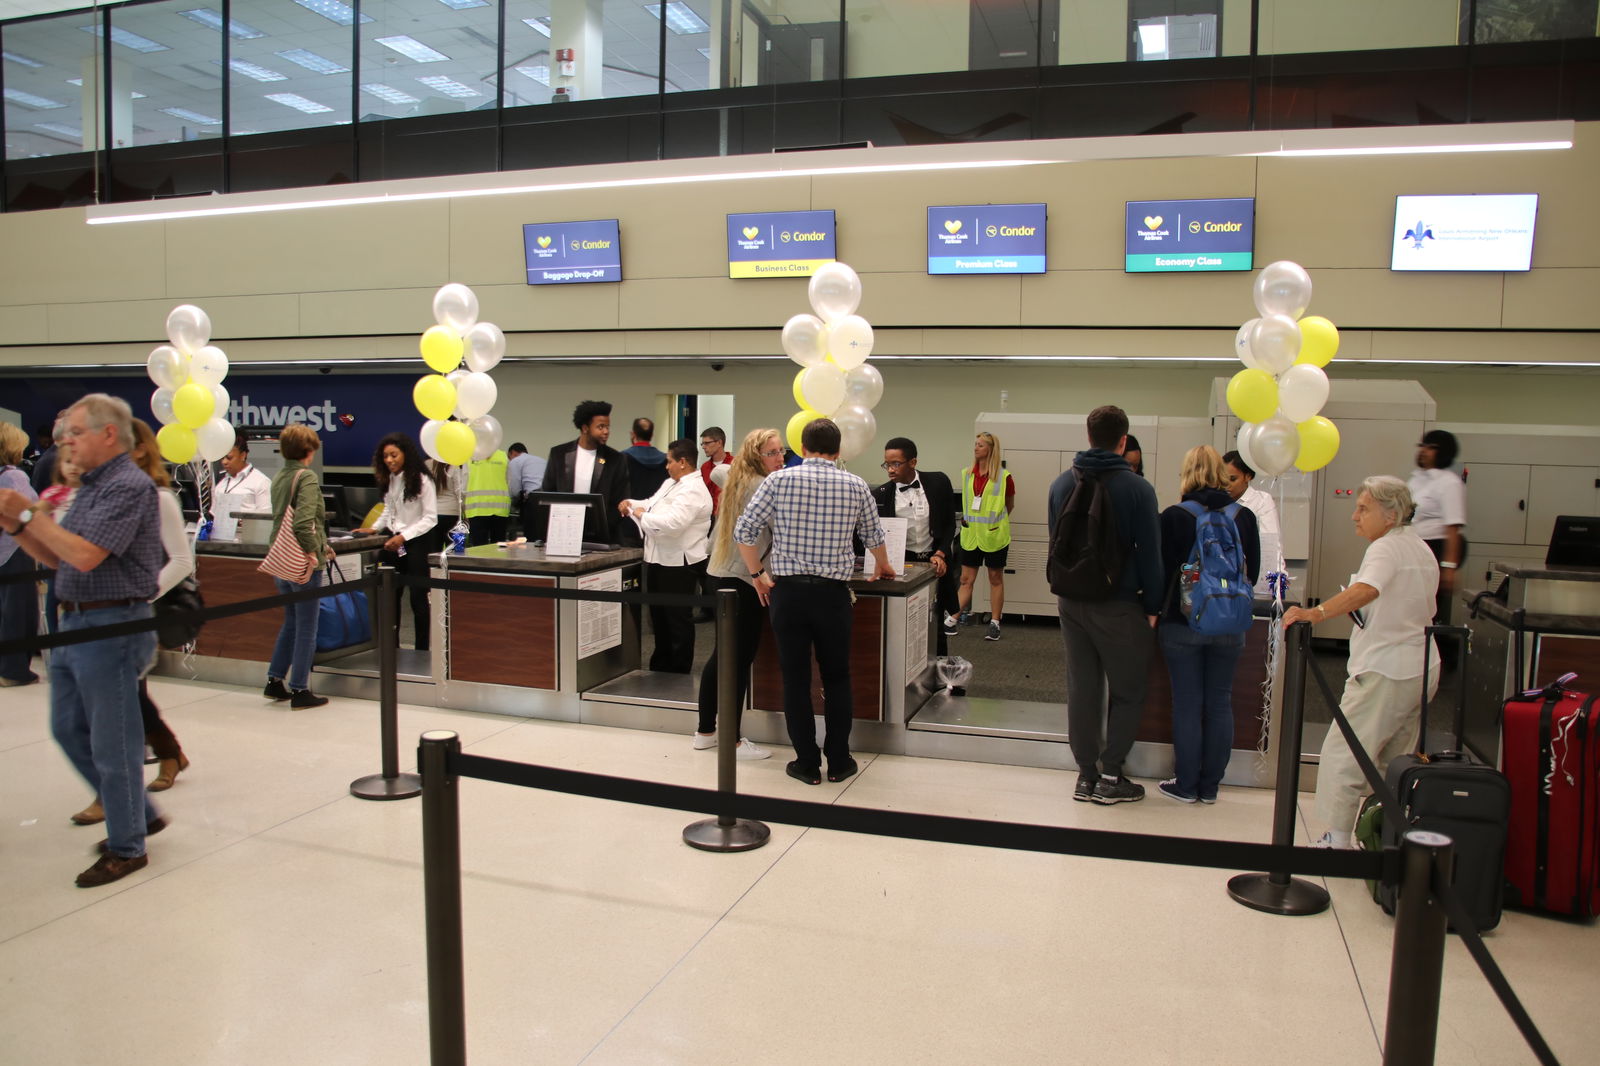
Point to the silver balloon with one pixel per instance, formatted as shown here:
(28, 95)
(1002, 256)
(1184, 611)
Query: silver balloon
(1241, 344)
(1244, 441)
(167, 367)
(1275, 343)
(455, 307)
(1283, 288)
(214, 439)
(429, 438)
(1276, 445)
(857, 427)
(835, 291)
(805, 340)
(208, 366)
(1302, 390)
(224, 401)
(188, 328)
(863, 385)
(486, 346)
(487, 431)
(161, 405)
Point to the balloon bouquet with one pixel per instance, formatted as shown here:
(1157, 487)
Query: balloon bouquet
(190, 400)
(836, 382)
(466, 392)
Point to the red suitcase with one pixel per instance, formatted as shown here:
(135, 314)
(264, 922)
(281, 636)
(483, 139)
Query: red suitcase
(1550, 752)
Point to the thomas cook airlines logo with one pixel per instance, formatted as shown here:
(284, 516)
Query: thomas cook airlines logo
(952, 226)
(543, 242)
(751, 232)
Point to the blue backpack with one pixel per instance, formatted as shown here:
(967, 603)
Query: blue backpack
(1213, 588)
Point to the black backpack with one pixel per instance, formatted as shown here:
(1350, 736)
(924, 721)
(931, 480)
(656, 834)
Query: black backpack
(1086, 554)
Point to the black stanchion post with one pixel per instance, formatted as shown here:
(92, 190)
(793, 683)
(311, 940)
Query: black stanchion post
(726, 832)
(1417, 967)
(441, 879)
(391, 784)
(1277, 892)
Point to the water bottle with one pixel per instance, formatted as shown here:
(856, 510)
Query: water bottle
(204, 532)
(458, 538)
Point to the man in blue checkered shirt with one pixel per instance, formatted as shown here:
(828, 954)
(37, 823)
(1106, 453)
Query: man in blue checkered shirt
(815, 512)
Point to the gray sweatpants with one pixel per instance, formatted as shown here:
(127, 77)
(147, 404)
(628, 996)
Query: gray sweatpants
(1108, 646)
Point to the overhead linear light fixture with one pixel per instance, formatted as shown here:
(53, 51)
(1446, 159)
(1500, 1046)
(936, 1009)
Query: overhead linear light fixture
(212, 19)
(24, 61)
(131, 95)
(38, 103)
(252, 70)
(539, 72)
(389, 94)
(128, 40)
(462, 5)
(449, 87)
(1420, 140)
(299, 103)
(60, 127)
(681, 18)
(334, 11)
(540, 24)
(412, 48)
(313, 62)
(825, 162)
(191, 116)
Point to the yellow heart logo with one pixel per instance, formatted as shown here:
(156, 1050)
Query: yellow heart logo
(1152, 221)
(751, 232)
(544, 242)
(953, 226)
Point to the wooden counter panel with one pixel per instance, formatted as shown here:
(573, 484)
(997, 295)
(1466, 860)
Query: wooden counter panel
(1563, 655)
(502, 640)
(1156, 724)
(230, 579)
(866, 666)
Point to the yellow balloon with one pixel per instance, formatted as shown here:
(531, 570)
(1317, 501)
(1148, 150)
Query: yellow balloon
(799, 397)
(455, 442)
(1319, 341)
(193, 404)
(1253, 395)
(1319, 443)
(441, 349)
(797, 424)
(176, 442)
(434, 396)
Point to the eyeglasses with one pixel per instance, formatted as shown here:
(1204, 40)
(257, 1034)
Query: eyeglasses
(895, 464)
(772, 453)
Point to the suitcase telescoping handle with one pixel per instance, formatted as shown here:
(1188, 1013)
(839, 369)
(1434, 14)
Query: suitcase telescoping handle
(1463, 634)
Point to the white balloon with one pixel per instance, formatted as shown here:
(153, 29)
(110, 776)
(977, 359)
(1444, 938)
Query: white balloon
(1283, 288)
(863, 385)
(475, 396)
(455, 376)
(1241, 344)
(188, 328)
(486, 429)
(1276, 445)
(1302, 390)
(850, 341)
(429, 439)
(857, 427)
(455, 307)
(1275, 343)
(822, 387)
(213, 440)
(805, 340)
(835, 291)
(208, 366)
(1242, 443)
(224, 401)
(167, 367)
(161, 405)
(486, 346)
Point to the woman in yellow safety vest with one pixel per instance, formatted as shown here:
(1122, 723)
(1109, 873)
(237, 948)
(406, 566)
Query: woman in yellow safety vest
(987, 496)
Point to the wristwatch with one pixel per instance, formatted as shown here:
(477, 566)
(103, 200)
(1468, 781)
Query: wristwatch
(757, 575)
(22, 521)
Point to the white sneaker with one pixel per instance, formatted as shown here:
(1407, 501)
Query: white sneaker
(747, 750)
(702, 741)
(1326, 841)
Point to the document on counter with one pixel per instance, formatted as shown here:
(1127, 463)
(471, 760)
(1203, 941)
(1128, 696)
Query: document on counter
(224, 526)
(894, 543)
(565, 538)
(599, 624)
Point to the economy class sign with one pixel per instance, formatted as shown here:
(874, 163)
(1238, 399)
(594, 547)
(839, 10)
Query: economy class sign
(1184, 236)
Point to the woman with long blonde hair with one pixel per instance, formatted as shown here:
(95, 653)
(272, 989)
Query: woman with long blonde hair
(760, 454)
(19, 600)
(987, 496)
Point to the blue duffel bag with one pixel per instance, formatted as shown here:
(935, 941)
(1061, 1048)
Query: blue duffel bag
(342, 620)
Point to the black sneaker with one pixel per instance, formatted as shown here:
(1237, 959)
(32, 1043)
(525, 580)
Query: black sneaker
(950, 627)
(1084, 790)
(1117, 790)
(276, 690)
(306, 698)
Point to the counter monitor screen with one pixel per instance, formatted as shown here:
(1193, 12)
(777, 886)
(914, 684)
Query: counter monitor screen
(1479, 232)
(987, 239)
(780, 244)
(565, 253)
(1189, 236)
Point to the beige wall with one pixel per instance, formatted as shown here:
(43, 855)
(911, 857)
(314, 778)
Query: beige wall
(1319, 26)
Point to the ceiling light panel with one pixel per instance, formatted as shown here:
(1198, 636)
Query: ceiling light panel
(539, 72)
(462, 5)
(299, 103)
(62, 128)
(212, 19)
(313, 62)
(412, 48)
(681, 18)
(129, 40)
(20, 60)
(38, 103)
(449, 87)
(539, 25)
(253, 70)
(389, 94)
(333, 11)
(191, 116)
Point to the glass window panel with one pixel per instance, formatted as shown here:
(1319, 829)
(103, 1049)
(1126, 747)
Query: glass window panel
(1504, 21)
(782, 41)
(51, 81)
(615, 49)
(689, 36)
(170, 69)
(297, 74)
(631, 43)
(898, 36)
(529, 59)
(427, 57)
(1293, 26)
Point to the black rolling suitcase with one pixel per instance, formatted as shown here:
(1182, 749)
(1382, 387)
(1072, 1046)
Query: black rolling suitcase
(1448, 793)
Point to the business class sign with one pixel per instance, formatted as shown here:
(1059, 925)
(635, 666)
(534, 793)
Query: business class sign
(780, 244)
(1167, 236)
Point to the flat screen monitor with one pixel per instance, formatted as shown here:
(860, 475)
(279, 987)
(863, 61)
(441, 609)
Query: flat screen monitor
(780, 244)
(1189, 236)
(1575, 541)
(597, 522)
(987, 239)
(1485, 231)
(567, 253)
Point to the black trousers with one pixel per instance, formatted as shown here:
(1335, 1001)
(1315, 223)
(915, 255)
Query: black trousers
(487, 529)
(674, 626)
(807, 617)
(415, 563)
(157, 733)
(946, 596)
(751, 620)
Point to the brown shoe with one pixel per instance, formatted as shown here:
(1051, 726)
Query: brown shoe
(90, 814)
(154, 826)
(170, 768)
(109, 868)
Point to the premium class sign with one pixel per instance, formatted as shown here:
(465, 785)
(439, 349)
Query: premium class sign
(564, 253)
(1167, 236)
(987, 239)
(780, 244)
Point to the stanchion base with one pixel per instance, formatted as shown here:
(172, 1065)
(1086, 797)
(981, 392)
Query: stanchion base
(378, 787)
(712, 835)
(1259, 892)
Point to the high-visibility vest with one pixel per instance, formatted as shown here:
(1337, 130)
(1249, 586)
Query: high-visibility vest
(986, 525)
(487, 494)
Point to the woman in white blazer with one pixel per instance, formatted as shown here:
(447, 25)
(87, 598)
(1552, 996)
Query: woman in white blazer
(675, 521)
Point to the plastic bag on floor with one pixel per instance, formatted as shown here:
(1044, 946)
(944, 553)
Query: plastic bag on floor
(954, 672)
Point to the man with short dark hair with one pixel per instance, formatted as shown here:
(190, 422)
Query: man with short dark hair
(647, 464)
(815, 511)
(588, 465)
(714, 442)
(674, 521)
(1108, 641)
(927, 501)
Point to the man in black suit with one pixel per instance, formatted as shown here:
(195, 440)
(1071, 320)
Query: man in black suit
(927, 501)
(588, 465)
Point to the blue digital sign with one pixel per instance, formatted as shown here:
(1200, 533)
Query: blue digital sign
(987, 239)
(1167, 236)
(780, 244)
(564, 253)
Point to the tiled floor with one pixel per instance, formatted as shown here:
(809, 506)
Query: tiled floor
(280, 920)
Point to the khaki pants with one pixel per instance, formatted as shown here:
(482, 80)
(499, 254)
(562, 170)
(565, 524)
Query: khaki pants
(1384, 713)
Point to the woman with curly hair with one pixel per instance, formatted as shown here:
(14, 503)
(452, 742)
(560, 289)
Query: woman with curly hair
(410, 511)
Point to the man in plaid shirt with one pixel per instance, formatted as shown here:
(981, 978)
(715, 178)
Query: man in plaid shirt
(815, 510)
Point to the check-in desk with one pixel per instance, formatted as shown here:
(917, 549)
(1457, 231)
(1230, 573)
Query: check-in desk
(1541, 622)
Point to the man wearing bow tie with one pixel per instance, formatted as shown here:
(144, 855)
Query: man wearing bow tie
(926, 499)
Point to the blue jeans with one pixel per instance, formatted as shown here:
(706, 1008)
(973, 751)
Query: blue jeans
(1202, 670)
(94, 716)
(297, 640)
(19, 614)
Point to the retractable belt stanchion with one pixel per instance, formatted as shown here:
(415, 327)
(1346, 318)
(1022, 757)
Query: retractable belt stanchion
(1278, 893)
(1417, 967)
(391, 784)
(726, 832)
(441, 880)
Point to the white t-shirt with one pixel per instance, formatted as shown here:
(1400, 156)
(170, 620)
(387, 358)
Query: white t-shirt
(1441, 499)
(1406, 576)
(583, 469)
(1268, 533)
(251, 489)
